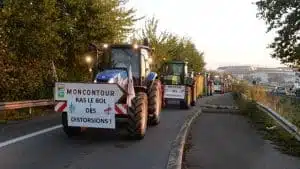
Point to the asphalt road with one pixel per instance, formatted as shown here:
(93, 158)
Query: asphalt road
(96, 149)
(224, 140)
(19, 128)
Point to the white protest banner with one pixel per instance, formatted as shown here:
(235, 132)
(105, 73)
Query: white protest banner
(174, 92)
(89, 105)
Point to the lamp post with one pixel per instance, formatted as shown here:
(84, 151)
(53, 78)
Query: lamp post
(89, 61)
(94, 47)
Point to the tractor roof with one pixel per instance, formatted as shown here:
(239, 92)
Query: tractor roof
(176, 62)
(126, 45)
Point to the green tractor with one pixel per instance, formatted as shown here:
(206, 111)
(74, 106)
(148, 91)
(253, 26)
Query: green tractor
(178, 83)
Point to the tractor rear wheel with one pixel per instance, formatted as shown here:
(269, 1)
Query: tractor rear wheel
(186, 104)
(155, 102)
(138, 116)
(70, 131)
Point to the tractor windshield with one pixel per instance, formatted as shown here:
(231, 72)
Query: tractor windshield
(124, 57)
(175, 69)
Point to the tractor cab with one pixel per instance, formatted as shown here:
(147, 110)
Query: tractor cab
(116, 59)
(175, 73)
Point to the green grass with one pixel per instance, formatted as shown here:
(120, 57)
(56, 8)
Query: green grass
(3, 121)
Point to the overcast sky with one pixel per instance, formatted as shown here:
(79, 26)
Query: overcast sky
(226, 30)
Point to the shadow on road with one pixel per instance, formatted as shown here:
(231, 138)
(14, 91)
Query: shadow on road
(218, 111)
(118, 139)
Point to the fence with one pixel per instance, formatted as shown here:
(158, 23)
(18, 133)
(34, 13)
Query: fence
(25, 104)
(284, 123)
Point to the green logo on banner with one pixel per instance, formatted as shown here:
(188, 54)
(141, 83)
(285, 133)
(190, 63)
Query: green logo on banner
(61, 90)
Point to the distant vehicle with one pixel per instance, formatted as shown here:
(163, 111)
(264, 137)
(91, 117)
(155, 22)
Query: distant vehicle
(218, 87)
(280, 91)
(178, 83)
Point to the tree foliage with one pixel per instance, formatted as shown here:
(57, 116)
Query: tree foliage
(168, 46)
(284, 17)
(36, 33)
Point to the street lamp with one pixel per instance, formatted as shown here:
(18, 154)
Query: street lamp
(150, 60)
(88, 59)
(95, 48)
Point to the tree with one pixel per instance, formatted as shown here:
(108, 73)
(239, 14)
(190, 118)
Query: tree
(169, 46)
(284, 17)
(36, 32)
(157, 39)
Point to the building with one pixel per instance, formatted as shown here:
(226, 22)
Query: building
(239, 72)
(279, 75)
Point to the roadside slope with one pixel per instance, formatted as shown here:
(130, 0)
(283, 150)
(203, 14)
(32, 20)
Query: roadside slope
(225, 140)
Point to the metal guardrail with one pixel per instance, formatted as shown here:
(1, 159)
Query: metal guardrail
(25, 104)
(288, 126)
(284, 123)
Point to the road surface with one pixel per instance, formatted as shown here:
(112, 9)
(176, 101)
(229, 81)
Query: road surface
(97, 149)
(225, 140)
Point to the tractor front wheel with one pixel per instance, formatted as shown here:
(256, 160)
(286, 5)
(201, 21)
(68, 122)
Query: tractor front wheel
(194, 96)
(186, 104)
(138, 116)
(70, 131)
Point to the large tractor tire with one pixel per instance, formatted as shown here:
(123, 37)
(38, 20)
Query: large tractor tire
(138, 116)
(186, 104)
(70, 131)
(155, 102)
(194, 96)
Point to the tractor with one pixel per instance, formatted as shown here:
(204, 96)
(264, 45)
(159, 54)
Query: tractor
(125, 68)
(178, 83)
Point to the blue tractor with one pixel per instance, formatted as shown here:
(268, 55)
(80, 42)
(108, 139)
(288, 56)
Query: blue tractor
(129, 66)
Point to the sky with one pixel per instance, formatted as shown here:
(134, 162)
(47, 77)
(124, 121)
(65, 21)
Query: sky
(226, 30)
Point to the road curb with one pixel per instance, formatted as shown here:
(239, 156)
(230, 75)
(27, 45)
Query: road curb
(176, 153)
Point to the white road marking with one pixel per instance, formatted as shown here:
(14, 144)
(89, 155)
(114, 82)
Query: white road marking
(18, 139)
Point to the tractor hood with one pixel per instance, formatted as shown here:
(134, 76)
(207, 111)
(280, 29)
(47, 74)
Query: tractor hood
(111, 75)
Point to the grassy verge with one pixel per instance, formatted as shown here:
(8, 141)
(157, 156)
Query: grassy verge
(268, 128)
(288, 107)
(24, 114)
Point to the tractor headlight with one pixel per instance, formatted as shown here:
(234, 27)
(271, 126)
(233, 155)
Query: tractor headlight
(135, 46)
(111, 80)
(105, 46)
(95, 81)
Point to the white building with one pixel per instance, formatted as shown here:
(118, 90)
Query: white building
(280, 75)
